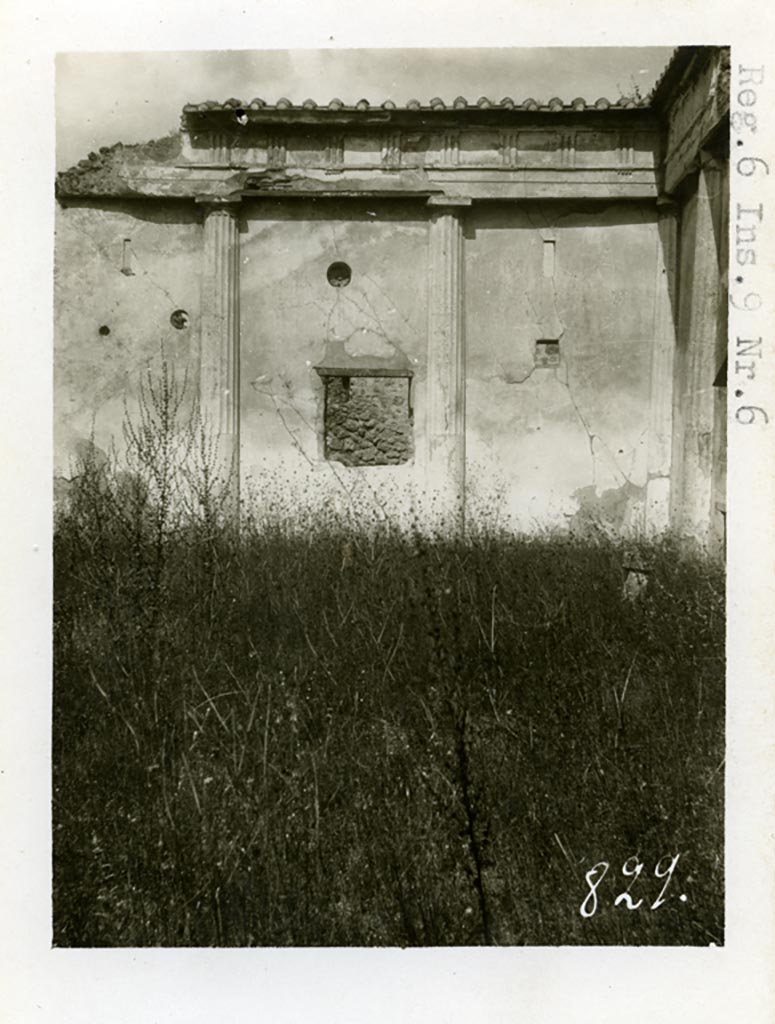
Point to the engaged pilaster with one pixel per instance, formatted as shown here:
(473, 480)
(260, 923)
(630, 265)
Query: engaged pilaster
(694, 407)
(219, 377)
(662, 359)
(446, 395)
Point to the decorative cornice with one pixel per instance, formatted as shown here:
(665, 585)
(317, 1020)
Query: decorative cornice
(517, 141)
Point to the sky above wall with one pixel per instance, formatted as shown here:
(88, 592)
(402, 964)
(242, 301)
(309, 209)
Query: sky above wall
(103, 98)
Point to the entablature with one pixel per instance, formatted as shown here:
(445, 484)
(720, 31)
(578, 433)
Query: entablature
(595, 143)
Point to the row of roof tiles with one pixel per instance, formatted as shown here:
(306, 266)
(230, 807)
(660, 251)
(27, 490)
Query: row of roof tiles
(460, 103)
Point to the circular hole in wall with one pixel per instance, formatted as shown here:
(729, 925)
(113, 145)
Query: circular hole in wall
(104, 330)
(179, 319)
(339, 275)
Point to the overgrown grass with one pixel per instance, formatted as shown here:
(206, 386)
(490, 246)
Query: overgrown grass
(306, 734)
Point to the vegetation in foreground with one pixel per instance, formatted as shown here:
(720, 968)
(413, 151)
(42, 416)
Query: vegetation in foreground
(307, 734)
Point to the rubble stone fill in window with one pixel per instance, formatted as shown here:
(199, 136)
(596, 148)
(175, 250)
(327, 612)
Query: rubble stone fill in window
(368, 421)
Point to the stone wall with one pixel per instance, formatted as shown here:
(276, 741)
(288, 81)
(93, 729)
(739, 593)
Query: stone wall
(368, 421)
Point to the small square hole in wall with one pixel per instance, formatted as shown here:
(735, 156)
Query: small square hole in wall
(547, 352)
(368, 420)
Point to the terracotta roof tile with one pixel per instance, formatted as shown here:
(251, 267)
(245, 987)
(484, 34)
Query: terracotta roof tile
(555, 104)
(666, 71)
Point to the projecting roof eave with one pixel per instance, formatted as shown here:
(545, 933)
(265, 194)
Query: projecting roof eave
(242, 119)
(685, 59)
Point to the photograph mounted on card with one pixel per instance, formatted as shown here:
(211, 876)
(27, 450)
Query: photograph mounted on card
(390, 498)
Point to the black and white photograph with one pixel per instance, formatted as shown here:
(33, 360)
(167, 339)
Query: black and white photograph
(388, 424)
(389, 441)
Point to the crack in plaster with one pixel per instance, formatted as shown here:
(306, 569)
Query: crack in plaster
(502, 375)
(149, 276)
(393, 305)
(591, 436)
(555, 299)
(105, 253)
(371, 316)
(354, 473)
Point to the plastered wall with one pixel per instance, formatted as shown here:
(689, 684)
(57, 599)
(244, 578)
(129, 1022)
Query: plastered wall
(567, 443)
(125, 268)
(292, 320)
(558, 440)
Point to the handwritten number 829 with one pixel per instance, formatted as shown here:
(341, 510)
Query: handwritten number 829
(631, 869)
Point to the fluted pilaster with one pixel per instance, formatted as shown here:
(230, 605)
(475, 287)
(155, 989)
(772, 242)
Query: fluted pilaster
(694, 406)
(446, 354)
(220, 361)
(660, 438)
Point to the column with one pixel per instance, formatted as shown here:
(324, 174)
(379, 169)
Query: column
(697, 399)
(220, 359)
(446, 360)
(660, 438)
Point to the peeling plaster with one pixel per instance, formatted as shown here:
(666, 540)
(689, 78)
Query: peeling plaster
(551, 432)
(615, 511)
